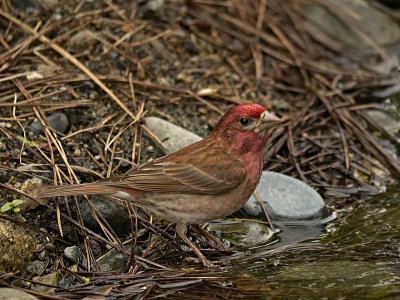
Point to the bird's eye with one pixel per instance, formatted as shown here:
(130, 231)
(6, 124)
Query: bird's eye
(244, 121)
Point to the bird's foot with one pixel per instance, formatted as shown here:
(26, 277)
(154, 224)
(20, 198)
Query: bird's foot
(215, 242)
(181, 231)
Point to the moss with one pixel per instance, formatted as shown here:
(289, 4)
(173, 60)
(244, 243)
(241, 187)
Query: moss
(16, 247)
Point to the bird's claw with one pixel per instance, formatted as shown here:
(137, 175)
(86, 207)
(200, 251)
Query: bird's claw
(206, 263)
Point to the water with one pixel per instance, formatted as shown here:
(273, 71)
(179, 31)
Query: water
(355, 257)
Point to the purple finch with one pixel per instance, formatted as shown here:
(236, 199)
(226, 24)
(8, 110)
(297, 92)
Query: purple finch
(205, 181)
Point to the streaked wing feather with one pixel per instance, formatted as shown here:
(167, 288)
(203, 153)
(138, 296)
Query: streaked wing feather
(204, 176)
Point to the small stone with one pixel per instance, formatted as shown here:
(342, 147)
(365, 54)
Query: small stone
(47, 70)
(286, 198)
(34, 76)
(58, 121)
(117, 216)
(77, 152)
(73, 254)
(155, 5)
(50, 247)
(114, 261)
(57, 17)
(42, 255)
(36, 267)
(172, 136)
(5, 124)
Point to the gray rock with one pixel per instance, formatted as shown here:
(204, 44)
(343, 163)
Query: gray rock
(114, 261)
(172, 136)
(286, 198)
(42, 256)
(385, 34)
(384, 119)
(116, 215)
(58, 121)
(73, 254)
(14, 294)
(36, 267)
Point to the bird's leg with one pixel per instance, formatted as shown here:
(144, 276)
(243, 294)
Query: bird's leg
(215, 242)
(181, 230)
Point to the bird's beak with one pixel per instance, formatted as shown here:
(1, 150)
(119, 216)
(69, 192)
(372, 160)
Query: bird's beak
(266, 122)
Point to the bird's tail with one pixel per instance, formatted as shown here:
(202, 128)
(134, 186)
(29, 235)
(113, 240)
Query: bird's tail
(95, 188)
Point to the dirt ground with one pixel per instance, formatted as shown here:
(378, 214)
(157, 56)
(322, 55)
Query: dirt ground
(106, 65)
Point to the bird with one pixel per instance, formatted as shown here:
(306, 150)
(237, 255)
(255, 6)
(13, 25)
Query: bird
(202, 182)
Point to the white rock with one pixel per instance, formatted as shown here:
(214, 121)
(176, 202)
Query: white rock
(172, 136)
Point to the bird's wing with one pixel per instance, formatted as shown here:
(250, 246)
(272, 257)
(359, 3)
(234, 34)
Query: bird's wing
(192, 173)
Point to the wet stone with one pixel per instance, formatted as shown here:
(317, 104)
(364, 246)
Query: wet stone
(244, 233)
(362, 273)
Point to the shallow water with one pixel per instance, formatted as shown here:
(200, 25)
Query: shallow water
(357, 256)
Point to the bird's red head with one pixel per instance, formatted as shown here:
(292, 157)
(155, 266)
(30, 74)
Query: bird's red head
(244, 128)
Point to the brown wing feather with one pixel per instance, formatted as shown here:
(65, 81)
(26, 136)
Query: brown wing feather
(193, 171)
